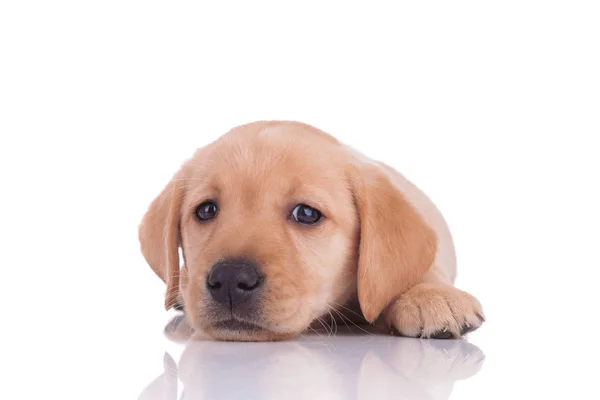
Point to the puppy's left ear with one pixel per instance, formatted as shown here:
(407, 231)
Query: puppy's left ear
(396, 245)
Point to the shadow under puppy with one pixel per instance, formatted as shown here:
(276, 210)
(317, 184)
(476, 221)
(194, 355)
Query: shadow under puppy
(280, 224)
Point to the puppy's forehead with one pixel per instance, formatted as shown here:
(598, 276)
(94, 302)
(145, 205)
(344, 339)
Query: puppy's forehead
(271, 154)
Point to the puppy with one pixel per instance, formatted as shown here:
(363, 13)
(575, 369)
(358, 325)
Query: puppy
(279, 224)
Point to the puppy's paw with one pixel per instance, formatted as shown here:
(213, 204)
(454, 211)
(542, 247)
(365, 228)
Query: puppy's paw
(435, 311)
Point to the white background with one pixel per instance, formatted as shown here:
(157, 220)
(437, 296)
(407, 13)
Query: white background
(492, 108)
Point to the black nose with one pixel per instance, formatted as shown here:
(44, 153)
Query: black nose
(233, 282)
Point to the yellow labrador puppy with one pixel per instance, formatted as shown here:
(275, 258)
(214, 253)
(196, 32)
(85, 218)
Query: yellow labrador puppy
(279, 224)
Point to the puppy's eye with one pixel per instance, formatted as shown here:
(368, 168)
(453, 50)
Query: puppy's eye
(306, 215)
(206, 211)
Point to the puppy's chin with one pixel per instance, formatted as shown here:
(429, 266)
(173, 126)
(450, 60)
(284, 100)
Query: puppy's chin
(224, 326)
(243, 332)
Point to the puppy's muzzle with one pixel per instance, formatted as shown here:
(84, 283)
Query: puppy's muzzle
(235, 284)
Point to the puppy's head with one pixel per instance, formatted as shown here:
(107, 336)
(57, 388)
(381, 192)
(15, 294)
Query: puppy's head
(278, 222)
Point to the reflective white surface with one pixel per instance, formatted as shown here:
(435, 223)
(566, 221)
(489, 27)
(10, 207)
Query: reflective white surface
(349, 365)
(491, 107)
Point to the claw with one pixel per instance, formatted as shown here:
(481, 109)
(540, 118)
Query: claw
(466, 329)
(445, 334)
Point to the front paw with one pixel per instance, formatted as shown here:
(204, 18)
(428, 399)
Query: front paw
(436, 311)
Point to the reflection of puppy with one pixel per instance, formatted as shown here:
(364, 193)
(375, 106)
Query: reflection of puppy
(165, 386)
(419, 369)
(319, 368)
(278, 224)
(210, 370)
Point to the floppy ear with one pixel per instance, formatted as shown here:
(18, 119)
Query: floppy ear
(159, 237)
(396, 245)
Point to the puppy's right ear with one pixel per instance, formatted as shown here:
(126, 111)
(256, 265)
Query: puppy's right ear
(160, 237)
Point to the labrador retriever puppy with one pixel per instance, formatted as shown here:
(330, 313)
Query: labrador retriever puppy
(279, 224)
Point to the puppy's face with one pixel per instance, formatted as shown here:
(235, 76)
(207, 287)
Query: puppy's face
(268, 233)
(277, 223)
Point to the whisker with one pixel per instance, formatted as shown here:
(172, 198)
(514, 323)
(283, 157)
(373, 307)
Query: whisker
(345, 318)
(324, 327)
(353, 323)
(349, 310)
(314, 330)
(330, 328)
(321, 322)
(333, 322)
(338, 313)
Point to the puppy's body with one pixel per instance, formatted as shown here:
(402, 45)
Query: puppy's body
(256, 270)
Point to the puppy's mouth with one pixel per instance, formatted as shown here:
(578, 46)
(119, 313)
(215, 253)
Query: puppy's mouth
(237, 325)
(234, 329)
